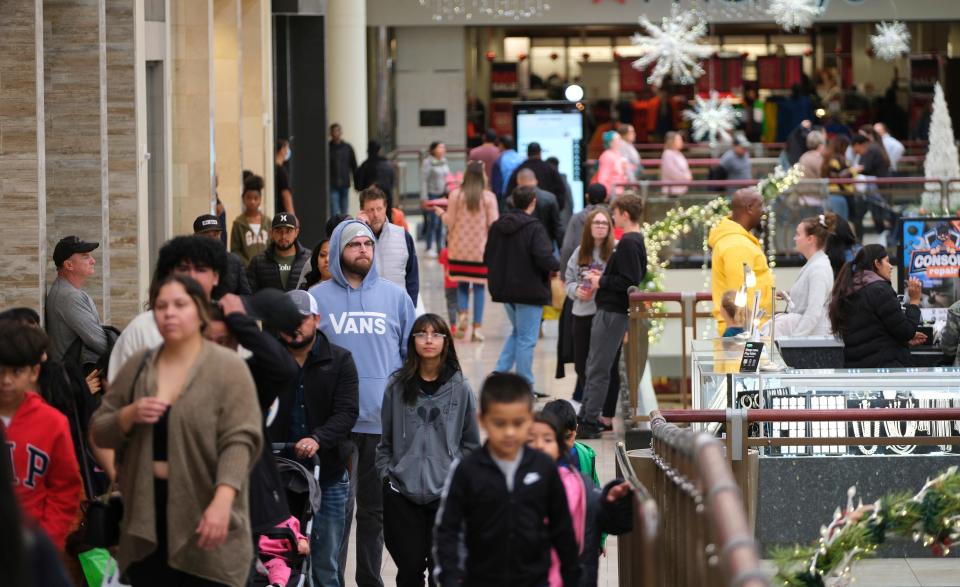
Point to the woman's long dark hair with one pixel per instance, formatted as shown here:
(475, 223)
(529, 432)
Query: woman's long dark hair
(866, 260)
(408, 373)
(554, 423)
(313, 276)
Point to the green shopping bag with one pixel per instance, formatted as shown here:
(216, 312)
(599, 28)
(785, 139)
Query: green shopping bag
(97, 564)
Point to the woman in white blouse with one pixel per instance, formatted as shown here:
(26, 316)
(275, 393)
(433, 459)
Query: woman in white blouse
(810, 295)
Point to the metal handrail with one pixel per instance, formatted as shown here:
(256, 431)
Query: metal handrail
(639, 568)
(704, 511)
(636, 354)
(841, 415)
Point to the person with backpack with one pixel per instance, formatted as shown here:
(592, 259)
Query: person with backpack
(429, 418)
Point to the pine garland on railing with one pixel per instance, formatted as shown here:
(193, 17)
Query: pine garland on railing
(680, 221)
(931, 517)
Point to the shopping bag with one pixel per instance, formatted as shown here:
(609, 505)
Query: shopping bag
(97, 565)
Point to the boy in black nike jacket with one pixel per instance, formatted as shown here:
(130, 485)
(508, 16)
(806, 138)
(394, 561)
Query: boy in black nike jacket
(508, 500)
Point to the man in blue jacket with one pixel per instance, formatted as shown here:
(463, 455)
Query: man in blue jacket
(370, 317)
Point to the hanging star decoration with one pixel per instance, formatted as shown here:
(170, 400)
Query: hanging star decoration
(794, 14)
(674, 46)
(712, 119)
(891, 41)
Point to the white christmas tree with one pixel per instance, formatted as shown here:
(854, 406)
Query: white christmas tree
(942, 159)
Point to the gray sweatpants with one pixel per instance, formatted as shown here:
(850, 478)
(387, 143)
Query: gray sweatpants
(367, 492)
(606, 336)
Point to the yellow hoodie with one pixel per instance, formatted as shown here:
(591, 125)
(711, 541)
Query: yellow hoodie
(732, 247)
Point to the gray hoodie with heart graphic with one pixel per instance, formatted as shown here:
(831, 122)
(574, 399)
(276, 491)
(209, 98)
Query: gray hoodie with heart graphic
(421, 441)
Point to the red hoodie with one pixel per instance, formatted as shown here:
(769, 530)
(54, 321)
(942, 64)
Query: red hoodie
(46, 476)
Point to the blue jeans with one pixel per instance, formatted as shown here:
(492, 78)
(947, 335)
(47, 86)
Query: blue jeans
(838, 205)
(518, 348)
(463, 299)
(339, 200)
(433, 226)
(327, 532)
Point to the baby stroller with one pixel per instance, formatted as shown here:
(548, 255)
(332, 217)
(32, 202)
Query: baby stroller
(303, 495)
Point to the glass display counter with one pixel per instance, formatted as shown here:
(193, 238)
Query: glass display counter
(718, 384)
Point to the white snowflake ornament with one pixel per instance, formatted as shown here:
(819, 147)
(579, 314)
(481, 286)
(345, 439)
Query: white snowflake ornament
(795, 14)
(713, 118)
(891, 41)
(674, 46)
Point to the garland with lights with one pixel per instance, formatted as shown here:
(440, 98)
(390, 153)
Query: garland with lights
(931, 517)
(681, 221)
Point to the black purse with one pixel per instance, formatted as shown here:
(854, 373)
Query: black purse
(100, 524)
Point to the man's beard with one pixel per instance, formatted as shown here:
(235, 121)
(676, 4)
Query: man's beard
(302, 344)
(356, 268)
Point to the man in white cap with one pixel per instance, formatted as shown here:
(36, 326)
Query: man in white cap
(371, 317)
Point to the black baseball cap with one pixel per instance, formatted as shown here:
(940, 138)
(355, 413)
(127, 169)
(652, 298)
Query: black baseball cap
(206, 223)
(285, 219)
(70, 245)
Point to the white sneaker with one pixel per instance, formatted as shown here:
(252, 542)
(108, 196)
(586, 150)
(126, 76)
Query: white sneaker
(431, 254)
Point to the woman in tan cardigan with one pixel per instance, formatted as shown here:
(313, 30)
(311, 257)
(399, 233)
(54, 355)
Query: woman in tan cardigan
(471, 209)
(185, 423)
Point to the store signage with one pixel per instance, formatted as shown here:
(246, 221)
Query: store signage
(929, 250)
(504, 80)
(751, 357)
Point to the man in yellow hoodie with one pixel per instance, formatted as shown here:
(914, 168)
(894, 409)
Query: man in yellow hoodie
(733, 245)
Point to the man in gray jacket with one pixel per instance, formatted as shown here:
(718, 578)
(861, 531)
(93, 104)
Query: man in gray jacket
(71, 313)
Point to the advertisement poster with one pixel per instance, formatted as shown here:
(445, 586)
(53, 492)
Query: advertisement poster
(930, 252)
(504, 80)
(558, 128)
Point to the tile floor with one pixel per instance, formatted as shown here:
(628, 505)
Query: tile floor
(478, 359)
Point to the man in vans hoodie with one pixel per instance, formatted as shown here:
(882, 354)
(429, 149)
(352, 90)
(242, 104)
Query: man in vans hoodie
(370, 317)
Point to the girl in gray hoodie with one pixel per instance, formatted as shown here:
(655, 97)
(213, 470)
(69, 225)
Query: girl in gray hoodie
(429, 420)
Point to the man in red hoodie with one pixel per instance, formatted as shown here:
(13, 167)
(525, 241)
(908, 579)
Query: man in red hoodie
(46, 476)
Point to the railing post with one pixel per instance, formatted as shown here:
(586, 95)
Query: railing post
(945, 195)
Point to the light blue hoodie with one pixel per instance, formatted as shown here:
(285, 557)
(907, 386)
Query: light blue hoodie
(372, 322)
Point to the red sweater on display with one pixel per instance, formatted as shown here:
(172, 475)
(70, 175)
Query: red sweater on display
(46, 476)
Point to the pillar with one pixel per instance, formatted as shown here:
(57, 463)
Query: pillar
(124, 170)
(227, 58)
(191, 112)
(256, 121)
(346, 49)
(75, 122)
(23, 250)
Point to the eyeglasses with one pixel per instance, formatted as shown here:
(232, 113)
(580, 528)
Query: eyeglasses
(356, 245)
(600, 223)
(429, 335)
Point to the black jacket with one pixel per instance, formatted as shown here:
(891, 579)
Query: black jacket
(332, 399)
(234, 281)
(379, 171)
(343, 164)
(264, 272)
(603, 517)
(547, 212)
(876, 330)
(519, 259)
(626, 268)
(508, 535)
(548, 178)
(274, 372)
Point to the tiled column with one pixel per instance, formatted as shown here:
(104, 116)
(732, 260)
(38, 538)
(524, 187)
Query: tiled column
(22, 176)
(257, 92)
(191, 81)
(227, 76)
(76, 158)
(123, 162)
(346, 44)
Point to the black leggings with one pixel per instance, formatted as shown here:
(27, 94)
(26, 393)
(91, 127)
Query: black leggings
(154, 571)
(581, 347)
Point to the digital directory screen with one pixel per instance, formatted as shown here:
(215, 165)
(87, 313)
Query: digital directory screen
(558, 127)
(930, 251)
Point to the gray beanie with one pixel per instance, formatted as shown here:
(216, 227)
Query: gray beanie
(352, 231)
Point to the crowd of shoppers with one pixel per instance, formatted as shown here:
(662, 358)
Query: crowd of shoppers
(338, 370)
